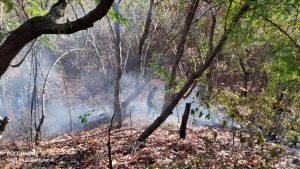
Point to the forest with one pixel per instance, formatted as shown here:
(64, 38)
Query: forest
(186, 84)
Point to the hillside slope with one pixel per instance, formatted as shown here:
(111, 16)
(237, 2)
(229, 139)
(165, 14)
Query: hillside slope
(163, 149)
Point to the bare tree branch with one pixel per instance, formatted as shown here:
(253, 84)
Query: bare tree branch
(22, 60)
(40, 25)
(284, 32)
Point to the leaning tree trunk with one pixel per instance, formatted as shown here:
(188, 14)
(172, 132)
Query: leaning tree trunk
(118, 75)
(1, 20)
(212, 67)
(192, 78)
(180, 51)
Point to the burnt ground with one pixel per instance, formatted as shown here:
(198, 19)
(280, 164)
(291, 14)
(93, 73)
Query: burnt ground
(163, 149)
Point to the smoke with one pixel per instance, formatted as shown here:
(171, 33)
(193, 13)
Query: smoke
(62, 115)
(81, 84)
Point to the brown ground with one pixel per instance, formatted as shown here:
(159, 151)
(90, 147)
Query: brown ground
(163, 149)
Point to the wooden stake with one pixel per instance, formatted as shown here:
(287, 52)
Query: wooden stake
(184, 120)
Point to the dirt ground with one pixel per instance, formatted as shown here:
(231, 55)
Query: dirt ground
(203, 148)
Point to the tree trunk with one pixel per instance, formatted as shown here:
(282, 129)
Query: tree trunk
(118, 75)
(184, 120)
(1, 20)
(244, 91)
(109, 143)
(210, 74)
(144, 36)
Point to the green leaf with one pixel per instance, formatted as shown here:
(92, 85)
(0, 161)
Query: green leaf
(84, 118)
(82, 2)
(200, 114)
(215, 135)
(35, 9)
(8, 5)
(224, 123)
(46, 41)
(260, 139)
(150, 166)
(207, 116)
(193, 112)
(193, 121)
(242, 139)
(117, 17)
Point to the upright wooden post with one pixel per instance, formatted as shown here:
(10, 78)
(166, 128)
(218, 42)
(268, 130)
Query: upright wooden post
(184, 120)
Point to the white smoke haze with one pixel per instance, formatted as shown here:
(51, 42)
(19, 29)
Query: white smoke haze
(83, 100)
(82, 82)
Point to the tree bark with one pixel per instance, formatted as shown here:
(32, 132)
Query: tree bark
(1, 20)
(40, 25)
(146, 29)
(244, 91)
(109, 143)
(192, 78)
(213, 64)
(184, 120)
(118, 75)
(144, 37)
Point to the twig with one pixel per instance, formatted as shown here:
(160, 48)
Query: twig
(177, 114)
(68, 101)
(108, 142)
(167, 46)
(18, 64)
(282, 31)
(130, 111)
(227, 13)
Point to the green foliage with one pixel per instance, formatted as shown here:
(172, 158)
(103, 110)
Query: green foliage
(150, 166)
(285, 70)
(215, 134)
(207, 143)
(117, 17)
(293, 135)
(34, 8)
(242, 138)
(160, 70)
(84, 118)
(276, 151)
(207, 116)
(82, 1)
(13, 25)
(179, 85)
(8, 5)
(46, 41)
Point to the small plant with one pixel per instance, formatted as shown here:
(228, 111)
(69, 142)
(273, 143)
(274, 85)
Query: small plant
(171, 125)
(84, 118)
